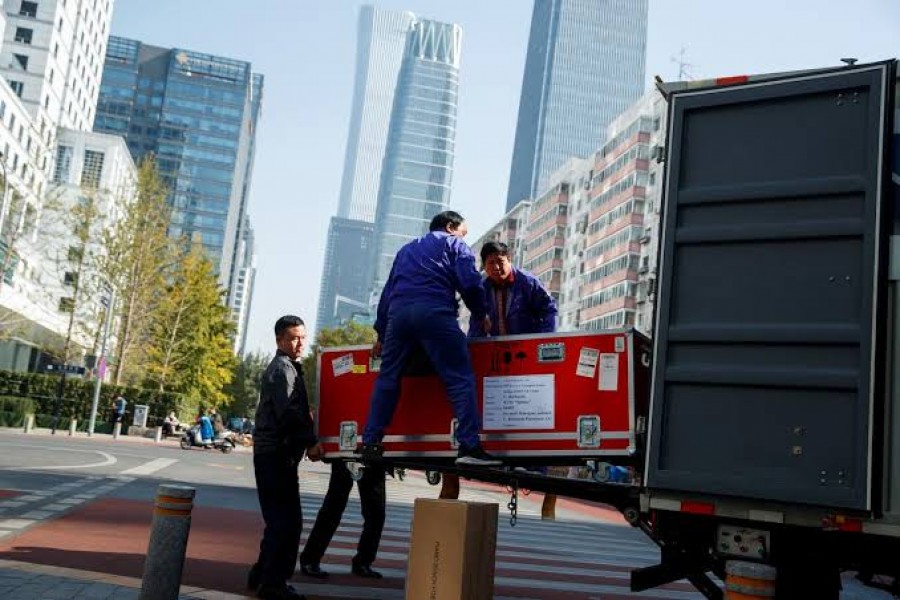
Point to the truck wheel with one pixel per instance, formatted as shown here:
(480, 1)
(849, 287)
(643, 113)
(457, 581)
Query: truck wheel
(433, 477)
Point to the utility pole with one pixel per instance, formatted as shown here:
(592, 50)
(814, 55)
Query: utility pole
(101, 361)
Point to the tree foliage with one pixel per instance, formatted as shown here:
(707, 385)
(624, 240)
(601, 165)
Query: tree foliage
(190, 341)
(139, 254)
(350, 334)
(245, 386)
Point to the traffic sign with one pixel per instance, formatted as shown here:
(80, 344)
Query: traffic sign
(68, 369)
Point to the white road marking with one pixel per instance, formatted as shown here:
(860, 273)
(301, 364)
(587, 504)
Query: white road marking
(157, 464)
(58, 506)
(108, 459)
(37, 514)
(16, 523)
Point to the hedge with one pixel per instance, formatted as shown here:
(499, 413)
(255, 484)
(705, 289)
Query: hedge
(35, 393)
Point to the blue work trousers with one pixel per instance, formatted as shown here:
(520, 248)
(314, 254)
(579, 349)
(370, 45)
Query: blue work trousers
(437, 332)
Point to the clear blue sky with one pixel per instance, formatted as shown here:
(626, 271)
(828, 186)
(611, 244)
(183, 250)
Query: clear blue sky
(306, 50)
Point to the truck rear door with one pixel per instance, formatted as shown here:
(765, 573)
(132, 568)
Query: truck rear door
(768, 352)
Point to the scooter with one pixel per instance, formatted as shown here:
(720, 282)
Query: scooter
(224, 442)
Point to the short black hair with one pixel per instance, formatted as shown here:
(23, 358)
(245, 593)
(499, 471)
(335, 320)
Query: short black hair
(448, 217)
(490, 248)
(286, 322)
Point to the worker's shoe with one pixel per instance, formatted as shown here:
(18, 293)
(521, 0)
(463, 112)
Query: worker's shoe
(365, 571)
(476, 457)
(254, 577)
(313, 571)
(371, 452)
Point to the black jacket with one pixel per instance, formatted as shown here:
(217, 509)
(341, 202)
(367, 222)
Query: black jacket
(283, 423)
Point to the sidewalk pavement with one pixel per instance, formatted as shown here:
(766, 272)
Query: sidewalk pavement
(27, 581)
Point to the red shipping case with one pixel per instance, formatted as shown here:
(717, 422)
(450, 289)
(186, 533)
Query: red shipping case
(549, 396)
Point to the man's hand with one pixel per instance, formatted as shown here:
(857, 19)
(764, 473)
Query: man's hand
(314, 453)
(486, 323)
(376, 349)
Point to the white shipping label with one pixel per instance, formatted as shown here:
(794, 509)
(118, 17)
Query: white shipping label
(342, 365)
(519, 402)
(609, 373)
(587, 362)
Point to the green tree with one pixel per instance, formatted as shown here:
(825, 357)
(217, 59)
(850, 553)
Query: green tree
(139, 255)
(350, 334)
(190, 342)
(245, 386)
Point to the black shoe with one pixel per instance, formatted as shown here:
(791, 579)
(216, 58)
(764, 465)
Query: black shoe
(371, 452)
(253, 577)
(313, 571)
(476, 457)
(284, 592)
(365, 571)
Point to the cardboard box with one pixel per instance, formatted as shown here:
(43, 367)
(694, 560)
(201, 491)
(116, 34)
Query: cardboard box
(452, 550)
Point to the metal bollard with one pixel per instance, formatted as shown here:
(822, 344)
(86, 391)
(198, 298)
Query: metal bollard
(158, 437)
(29, 423)
(168, 542)
(117, 430)
(72, 425)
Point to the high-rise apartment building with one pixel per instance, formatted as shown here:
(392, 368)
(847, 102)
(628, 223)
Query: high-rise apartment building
(585, 65)
(52, 57)
(50, 60)
(418, 160)
(198, 114)
(241, 296)
(381, 43)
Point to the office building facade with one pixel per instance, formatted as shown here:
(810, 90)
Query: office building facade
(418, 162)
(584, 66)
(345, 281)
(197, 113)
(381, 43)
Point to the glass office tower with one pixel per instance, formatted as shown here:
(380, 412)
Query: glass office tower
(585, 65)
(418, 160)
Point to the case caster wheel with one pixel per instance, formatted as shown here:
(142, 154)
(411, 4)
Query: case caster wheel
(632, 515)
(601, 472)
(433, 477)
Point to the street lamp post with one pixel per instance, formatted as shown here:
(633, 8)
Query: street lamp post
(98, 377)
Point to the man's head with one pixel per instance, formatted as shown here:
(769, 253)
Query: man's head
(450, 221)
(495, 261)
(290, 336)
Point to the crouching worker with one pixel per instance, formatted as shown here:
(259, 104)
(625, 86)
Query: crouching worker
(518, 303)
(418, 308)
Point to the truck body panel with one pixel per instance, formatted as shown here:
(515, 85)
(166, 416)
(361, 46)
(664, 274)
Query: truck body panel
(768, 350)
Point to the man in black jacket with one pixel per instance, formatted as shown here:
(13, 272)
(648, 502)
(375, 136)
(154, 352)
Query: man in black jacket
(284, 432)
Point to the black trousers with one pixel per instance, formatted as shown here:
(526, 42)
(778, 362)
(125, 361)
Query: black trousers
(372, 503)
(278, 488)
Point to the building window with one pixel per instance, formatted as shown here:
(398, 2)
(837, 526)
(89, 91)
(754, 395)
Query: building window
(20, 61)
(17, 86)
(23, 35)
(2, 109)
(93, 169)
(28, 9)
(75, 254)
(63, 164)
(66, 305)
(50, 78)
(70, 278)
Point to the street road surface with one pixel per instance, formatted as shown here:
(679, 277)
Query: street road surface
(86, 504)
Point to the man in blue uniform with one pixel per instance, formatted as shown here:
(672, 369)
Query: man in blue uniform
(517, 300)
(418, 308)
(517, 303)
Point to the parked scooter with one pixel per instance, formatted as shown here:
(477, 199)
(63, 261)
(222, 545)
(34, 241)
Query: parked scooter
(224, 442)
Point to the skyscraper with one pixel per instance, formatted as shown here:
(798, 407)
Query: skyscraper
(381, 42)
(379, 53)
(418, 159)
(585, 65)
(197, 113)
